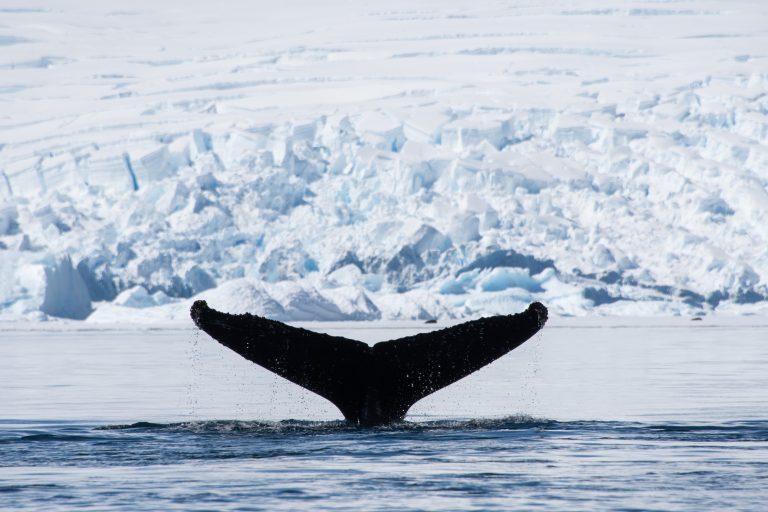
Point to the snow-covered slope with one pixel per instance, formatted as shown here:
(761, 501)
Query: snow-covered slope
(336, 161)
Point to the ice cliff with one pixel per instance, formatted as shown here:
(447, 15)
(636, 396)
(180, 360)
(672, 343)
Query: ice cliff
(568, 176)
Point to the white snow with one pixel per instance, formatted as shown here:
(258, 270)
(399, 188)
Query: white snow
(328, 161)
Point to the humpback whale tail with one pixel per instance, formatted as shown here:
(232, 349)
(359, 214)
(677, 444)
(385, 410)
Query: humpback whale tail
(370, 385)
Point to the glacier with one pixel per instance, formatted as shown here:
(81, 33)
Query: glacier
(343, 162)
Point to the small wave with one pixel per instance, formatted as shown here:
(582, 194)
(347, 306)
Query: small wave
(514, 422)
(50, 437)
(236, 426)
(27, 487)
(729, 431)
(137, 425)
(716, 427)
(305, 426)
(56, 437)
(747, 430)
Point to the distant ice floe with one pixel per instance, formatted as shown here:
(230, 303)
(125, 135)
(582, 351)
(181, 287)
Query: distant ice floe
(469, 176)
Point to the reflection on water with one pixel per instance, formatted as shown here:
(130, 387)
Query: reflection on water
(579, 418)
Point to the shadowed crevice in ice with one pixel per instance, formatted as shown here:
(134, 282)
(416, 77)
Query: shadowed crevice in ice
(6, 40)
(508, 258)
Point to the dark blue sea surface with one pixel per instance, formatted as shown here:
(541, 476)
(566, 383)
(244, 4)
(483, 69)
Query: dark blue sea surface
(495, 464)
(582, 417)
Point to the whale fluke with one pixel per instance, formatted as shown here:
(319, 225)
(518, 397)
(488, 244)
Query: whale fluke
(370, 385)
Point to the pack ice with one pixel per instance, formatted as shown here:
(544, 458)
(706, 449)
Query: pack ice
(337, 162)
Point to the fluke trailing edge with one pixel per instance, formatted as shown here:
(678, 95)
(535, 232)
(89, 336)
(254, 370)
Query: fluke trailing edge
(370, 385)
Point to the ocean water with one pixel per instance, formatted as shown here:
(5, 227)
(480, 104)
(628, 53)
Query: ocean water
(626, 415)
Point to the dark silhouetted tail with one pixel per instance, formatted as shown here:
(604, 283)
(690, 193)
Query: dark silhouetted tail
(370, 385)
